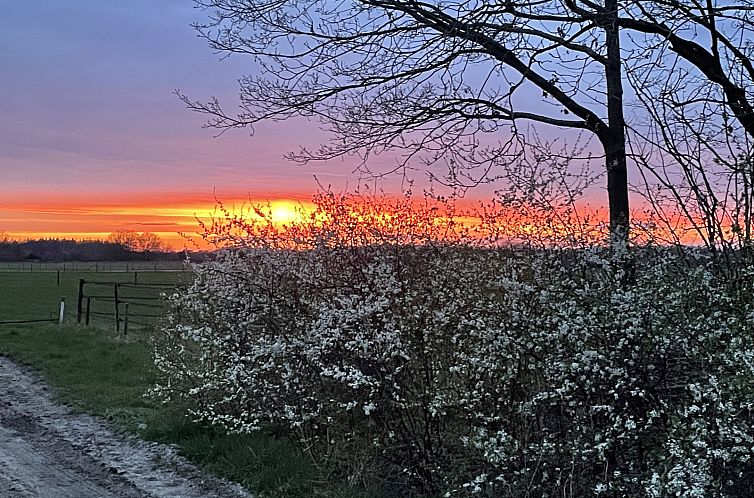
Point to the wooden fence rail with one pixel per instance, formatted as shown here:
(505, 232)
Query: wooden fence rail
(121, 305)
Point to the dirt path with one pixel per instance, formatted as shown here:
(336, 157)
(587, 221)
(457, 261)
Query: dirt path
(48, 452)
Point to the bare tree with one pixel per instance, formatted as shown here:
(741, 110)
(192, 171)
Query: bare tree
(451, 82)
(716, 38)
(136, 241)
(448, 82)
(695, 86)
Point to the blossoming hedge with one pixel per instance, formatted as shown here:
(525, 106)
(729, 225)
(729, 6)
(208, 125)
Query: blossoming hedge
(403, 348)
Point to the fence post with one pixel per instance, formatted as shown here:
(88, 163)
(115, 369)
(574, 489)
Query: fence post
(62, 310)
(117, 311)
(80, 301)
(125, 320)
(136, 277)
(58, 278)
(88, 307)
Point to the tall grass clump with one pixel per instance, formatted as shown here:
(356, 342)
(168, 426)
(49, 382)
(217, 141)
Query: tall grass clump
(398, 345)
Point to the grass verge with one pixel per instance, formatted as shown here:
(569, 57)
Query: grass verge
(97, 373)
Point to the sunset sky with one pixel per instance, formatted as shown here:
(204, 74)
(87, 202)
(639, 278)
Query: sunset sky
(92, 139)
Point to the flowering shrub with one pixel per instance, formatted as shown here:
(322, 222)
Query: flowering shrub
(396, 343)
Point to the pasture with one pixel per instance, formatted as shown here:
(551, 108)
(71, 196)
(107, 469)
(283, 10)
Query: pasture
(36, 294)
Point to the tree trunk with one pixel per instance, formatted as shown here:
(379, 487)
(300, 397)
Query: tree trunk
(614, 140)
(617, 189)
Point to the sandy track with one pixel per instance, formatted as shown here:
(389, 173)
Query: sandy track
(48, 452)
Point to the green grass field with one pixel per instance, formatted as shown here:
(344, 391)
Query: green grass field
(99, 372)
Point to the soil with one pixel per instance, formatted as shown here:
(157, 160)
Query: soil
(47, 451)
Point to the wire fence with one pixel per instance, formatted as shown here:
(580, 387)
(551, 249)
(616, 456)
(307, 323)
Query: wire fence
(39, 297)
(20, 322)
(50, 319)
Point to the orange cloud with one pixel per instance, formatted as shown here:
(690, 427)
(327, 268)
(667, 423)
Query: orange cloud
(168, 214)
(171, 214)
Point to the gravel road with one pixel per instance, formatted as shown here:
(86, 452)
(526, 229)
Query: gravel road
(48, 452)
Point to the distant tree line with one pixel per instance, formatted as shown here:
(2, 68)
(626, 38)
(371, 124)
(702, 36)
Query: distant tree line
(86, 250)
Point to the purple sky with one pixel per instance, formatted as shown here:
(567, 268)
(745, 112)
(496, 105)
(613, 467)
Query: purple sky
(88, 118)
(87, 105)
